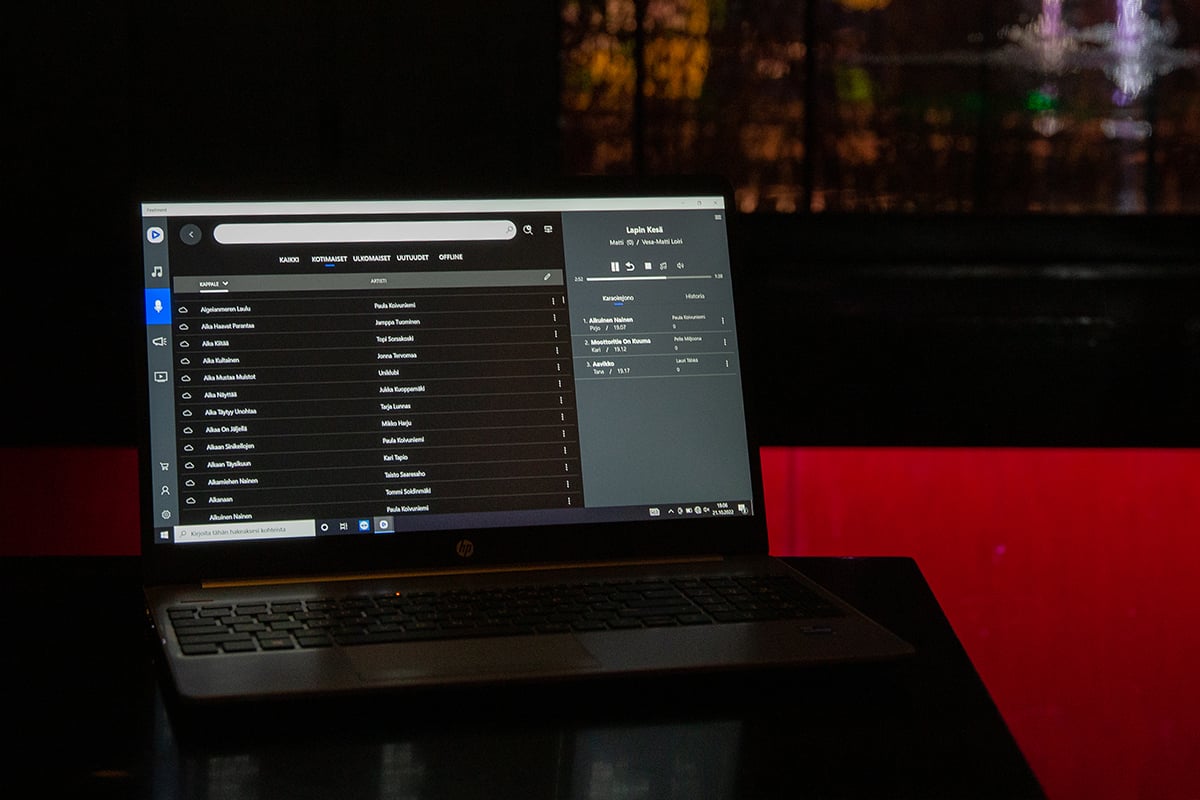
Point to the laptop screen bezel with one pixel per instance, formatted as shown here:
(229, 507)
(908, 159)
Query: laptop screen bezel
(471, 549)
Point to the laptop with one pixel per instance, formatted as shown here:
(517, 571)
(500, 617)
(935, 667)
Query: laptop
(404, 442)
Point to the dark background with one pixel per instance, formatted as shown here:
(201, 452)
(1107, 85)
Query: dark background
(868, 329)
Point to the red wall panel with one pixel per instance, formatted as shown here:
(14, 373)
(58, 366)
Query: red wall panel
(1072, 578)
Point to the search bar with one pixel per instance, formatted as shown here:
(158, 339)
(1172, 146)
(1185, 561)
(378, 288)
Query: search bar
(346, 232)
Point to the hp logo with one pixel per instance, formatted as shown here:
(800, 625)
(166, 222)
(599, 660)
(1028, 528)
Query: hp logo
(465, 548)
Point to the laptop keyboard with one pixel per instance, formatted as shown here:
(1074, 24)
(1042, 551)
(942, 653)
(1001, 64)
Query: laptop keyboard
(215, 628)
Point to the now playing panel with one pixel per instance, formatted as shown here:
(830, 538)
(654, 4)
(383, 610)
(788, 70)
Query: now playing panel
(656, 366)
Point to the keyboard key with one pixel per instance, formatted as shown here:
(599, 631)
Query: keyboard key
(251, 608)
(314, 640)
(213, 638)
(275, 642)
(656, 611)
(622, 623)
(586, 626)
(287, 625)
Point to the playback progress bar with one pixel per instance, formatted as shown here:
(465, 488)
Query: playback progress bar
(652, 278)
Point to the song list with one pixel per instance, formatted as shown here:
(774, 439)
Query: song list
(398, 403)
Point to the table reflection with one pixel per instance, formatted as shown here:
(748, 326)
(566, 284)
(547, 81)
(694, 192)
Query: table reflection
(431, 759)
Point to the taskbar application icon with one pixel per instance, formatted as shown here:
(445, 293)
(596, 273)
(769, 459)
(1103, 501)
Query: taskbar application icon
(355, 525)
(338, 527)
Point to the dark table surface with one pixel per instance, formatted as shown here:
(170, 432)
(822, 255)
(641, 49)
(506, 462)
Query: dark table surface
(89, 716)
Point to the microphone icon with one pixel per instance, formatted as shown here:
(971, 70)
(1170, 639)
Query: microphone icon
(158, 306)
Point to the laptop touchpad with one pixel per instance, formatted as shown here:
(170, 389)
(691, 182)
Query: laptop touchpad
(470, 658)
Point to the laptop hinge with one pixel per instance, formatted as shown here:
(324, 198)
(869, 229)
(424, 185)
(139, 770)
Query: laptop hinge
(438, 572)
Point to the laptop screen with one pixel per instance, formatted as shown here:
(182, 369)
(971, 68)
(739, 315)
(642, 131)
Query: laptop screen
(390, 368)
